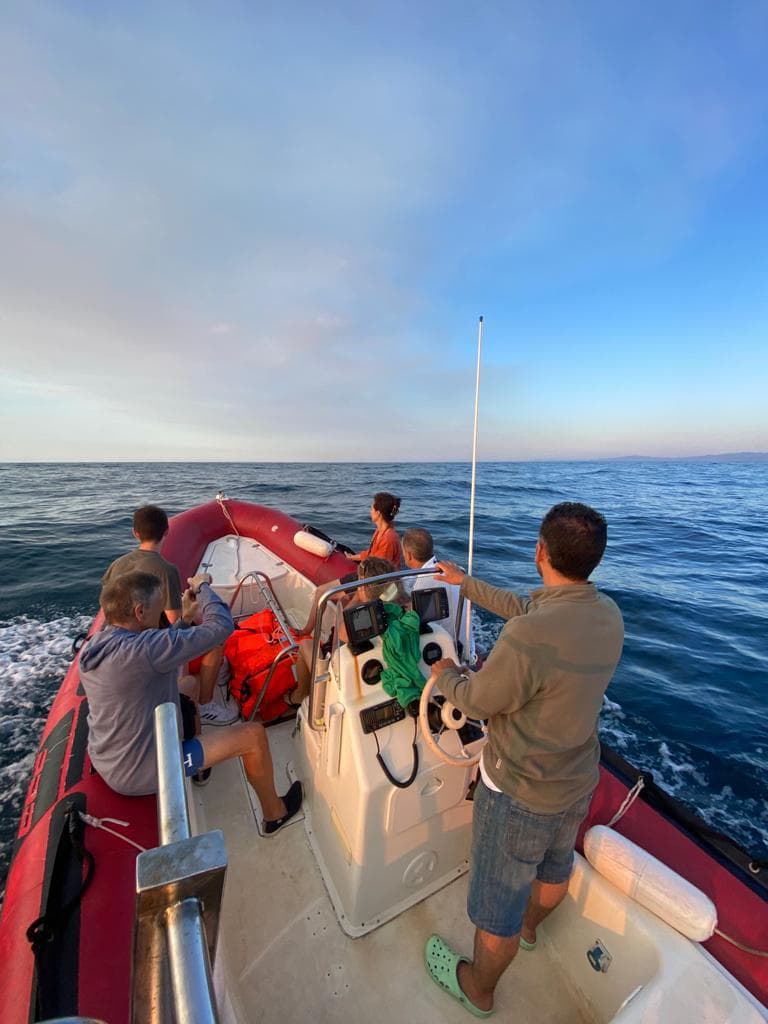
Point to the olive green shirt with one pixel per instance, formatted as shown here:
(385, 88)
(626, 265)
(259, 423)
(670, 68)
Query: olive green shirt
(140, 560)
(541, 689)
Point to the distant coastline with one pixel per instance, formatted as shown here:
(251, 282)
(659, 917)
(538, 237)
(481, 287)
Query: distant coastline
(714, 457)
(722, 457)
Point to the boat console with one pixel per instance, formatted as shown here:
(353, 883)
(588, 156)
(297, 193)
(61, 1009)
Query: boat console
(388, 820)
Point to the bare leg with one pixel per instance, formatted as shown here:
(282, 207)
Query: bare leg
(209, 671)
(545, 896)
(190, 687)
(492, 956)
(248, 741)
(303, 679)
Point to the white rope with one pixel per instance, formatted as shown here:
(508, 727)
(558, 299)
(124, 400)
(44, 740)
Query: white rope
(740, 945)
(95, 822)
(629, 799)
(220, 498)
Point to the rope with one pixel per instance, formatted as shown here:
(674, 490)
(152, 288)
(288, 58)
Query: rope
(629, 799)
(94, 822)
(221, 499)
(740, 945)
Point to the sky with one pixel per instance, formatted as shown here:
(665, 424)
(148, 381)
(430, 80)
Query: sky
(266, 231)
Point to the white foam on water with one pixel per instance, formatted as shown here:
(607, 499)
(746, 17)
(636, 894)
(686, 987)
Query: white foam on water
(32, 651)
(34, 657)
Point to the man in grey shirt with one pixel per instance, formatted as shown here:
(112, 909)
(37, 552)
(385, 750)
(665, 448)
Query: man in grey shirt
(541, 691)
(131, 666)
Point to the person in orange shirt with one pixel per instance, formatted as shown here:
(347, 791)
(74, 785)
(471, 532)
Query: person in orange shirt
(385, 542)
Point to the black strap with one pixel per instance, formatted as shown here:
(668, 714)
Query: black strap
(44, 929)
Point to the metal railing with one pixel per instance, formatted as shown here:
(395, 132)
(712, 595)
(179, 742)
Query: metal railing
(178, 901)
(316, 714)
(271, 600)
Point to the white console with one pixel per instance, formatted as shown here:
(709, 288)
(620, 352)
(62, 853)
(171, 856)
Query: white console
(380, 847)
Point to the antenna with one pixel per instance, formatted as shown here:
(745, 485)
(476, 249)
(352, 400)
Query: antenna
(468, 618)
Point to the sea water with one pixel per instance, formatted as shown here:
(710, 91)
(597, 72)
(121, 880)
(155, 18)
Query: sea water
(686, 563)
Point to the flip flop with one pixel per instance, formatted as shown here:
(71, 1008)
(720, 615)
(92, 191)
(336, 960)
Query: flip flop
(526, 945)
(442, 964)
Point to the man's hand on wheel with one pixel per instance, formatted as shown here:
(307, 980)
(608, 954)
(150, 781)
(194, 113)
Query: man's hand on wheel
(440, 666)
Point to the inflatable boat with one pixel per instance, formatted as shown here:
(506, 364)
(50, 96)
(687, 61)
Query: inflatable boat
(664, 920)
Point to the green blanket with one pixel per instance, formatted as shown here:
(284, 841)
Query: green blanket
(401, 678)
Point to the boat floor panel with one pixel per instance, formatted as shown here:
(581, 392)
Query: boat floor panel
(282, 956)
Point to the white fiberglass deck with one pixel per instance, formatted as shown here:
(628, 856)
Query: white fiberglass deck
(283, 957)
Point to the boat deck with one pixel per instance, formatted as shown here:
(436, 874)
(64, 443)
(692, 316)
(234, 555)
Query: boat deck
(282, 956)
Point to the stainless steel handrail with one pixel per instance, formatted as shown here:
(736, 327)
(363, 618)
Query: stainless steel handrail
(178, 899)
(281, 656)
(316, 714)
(271, 599)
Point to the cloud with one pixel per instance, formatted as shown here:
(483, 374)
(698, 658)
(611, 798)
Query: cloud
(273, 229)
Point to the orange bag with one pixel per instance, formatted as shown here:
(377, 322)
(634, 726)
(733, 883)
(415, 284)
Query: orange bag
(250, 651)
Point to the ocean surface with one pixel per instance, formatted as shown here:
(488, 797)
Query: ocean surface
(686, 562)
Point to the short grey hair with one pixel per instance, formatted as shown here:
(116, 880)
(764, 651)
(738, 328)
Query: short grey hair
(120, 596)
(419, 544)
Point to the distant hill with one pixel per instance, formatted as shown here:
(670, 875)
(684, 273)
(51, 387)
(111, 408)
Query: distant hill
(721, 457)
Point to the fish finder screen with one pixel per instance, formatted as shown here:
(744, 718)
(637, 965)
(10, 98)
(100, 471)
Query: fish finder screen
(364, 621)
(431, 604)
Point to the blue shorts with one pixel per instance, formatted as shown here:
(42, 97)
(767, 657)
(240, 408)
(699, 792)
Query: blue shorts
(511, 846)
(194, 758)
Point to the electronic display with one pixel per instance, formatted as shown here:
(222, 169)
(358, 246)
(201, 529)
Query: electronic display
(381, 715)
(364, 621)
(431, 604)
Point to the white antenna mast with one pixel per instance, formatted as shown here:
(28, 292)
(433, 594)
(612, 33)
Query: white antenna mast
(468, 615)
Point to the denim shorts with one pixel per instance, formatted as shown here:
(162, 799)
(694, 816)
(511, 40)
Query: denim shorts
(511, 846)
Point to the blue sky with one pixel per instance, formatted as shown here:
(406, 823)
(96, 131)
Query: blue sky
(266, 230)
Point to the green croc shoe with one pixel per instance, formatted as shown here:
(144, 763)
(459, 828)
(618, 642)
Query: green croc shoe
(525, 944)
(443, 963)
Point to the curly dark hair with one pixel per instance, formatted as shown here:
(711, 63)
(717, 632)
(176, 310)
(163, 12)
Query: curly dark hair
(388, 504)
(575, 536)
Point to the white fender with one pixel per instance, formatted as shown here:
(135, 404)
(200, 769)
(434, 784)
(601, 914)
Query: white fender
(655, 886)
(315, 545)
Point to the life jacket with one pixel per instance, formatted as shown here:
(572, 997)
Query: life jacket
(250, 651)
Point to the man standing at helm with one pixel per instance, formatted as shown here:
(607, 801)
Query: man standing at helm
(541, 690)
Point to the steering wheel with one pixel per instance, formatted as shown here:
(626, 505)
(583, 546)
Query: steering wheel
(451, 720)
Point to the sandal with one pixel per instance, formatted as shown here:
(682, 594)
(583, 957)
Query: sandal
(526, 945)
(442, 964)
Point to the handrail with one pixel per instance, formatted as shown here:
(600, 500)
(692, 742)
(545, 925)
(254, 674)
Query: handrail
(281, 655)
(270, 598)
(178, 899)
(315, 716)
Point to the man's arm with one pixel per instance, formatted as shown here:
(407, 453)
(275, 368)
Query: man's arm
(170, 648)
(503, 685)
(501, 602)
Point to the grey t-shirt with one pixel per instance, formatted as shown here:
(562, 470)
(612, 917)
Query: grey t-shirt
(125, 676)
(152, 562)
